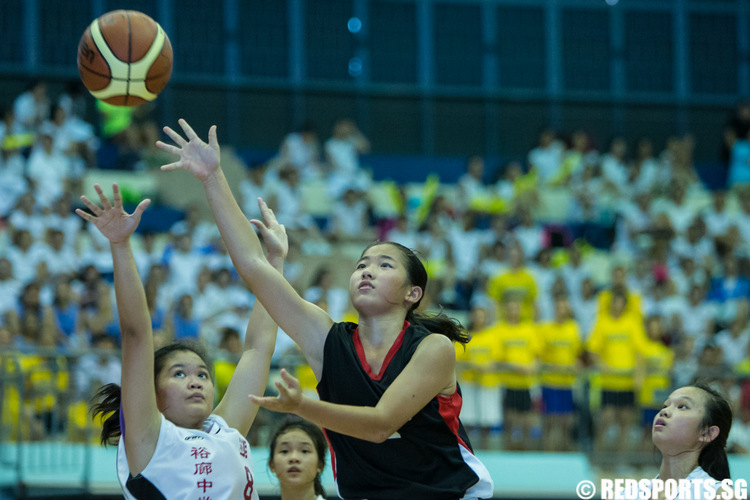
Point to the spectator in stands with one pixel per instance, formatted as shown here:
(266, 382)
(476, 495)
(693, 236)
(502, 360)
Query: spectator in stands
(699, 317)
(614, 166)
(67, 313)
(184, 323)
(201, 231)
(619, 281)
(658, 360)
(13, 183)
(288, 202)
(61, 260)
(579, 152)
(75, 140)
(324, 290)
(300, 150)
(728, 289)
(685, 365)
(27, 216)
(471, 188)
(342, 151)
(548, 283)
(643, 172)
(517, 357)
(32, 107)
(734, 340)
(718, 219)
(23, 255)
(529, 233)
(560, 349)
(739, 168)
(574, 270)
(437, 254)
(253, 186)
(617, 343)
(350, 218)
(49, 170)
(10, 287)
(62, 218)
(694, 242)
(402, 233)
(679, 213)
(183, 261)
(96, 303)
(517, 281)
(31, 320)
(100, 366)
(633, 221)
(545, 158)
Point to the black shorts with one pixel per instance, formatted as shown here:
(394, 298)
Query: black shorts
(517, 399)
(620, 399)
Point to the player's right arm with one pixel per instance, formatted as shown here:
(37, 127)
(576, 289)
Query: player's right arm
(140, 412)
(305, 323)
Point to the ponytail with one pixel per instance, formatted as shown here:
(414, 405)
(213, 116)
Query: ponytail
(106, 404)
(718, 412)
(440, 323)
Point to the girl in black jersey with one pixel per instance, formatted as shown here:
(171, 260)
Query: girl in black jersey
(389, 397)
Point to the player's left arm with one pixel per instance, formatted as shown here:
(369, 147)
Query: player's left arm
(251, 374)
(429, 373)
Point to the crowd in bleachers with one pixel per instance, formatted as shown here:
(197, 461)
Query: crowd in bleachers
(638, 284)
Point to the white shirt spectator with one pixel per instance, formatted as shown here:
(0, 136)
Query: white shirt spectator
(49, 170)
(734, 346)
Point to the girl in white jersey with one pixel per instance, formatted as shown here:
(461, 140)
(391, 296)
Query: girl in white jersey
(173, 444)
(691, 433)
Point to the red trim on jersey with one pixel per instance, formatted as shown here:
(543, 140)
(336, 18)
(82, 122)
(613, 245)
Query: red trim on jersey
(450, 408)
(391, 352)
(333, 454)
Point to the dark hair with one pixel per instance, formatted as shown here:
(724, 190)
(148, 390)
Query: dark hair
(417, 275)
(107, 401)
(316, 436)
(718, 412)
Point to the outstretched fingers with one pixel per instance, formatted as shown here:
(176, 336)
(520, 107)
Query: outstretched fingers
(91, 206)
(106, 205)
(189, 132)
(177, 138)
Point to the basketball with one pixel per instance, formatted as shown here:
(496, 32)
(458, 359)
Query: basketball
(125, 58)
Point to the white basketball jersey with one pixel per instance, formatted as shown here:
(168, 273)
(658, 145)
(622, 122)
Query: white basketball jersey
(190, 464)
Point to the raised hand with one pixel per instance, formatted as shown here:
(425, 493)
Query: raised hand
(274, 234)
(197, 157)
(289, 398)
(112, 220)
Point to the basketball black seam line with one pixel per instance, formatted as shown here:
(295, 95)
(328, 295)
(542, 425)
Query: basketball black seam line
(130, 57)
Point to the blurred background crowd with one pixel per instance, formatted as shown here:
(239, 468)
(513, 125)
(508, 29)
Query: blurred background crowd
(609, 271)
(574, 174)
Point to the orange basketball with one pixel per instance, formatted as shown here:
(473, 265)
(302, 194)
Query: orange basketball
(125, 58)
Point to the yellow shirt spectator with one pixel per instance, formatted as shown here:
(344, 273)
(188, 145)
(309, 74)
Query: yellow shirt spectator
(658, 360)
(516, 283)
(618, 341)
(519, 347)
(560, 347)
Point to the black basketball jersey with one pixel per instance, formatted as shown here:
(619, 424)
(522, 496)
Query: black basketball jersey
(430, 457)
